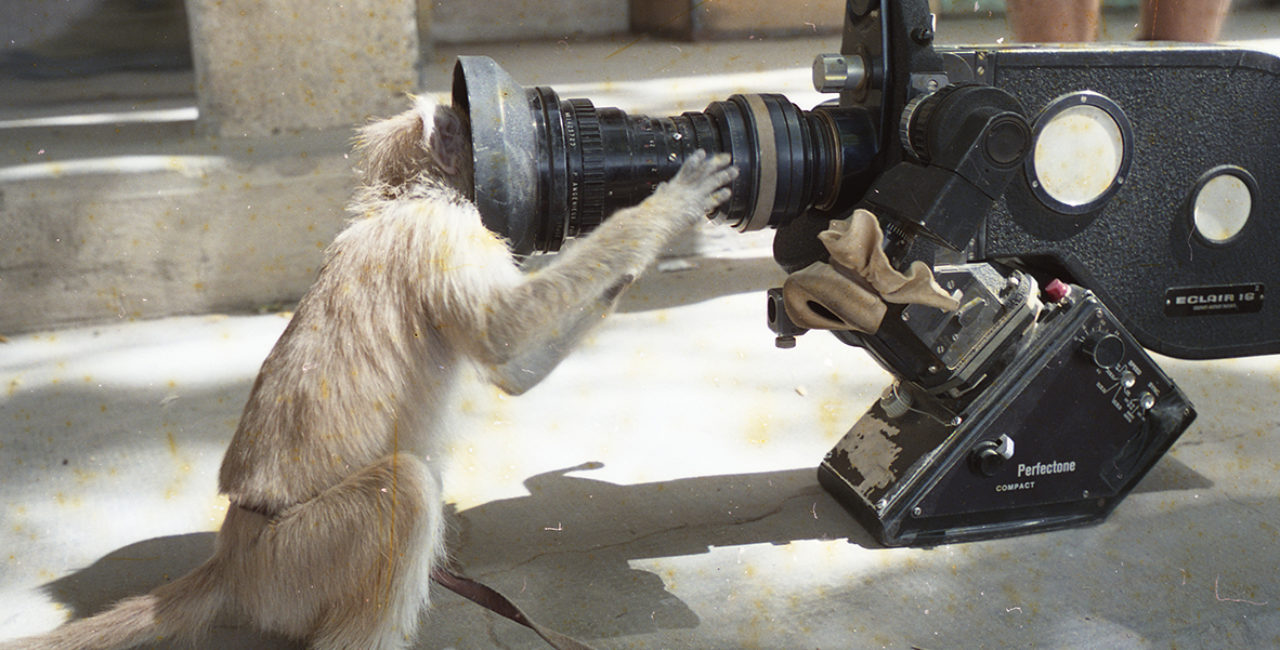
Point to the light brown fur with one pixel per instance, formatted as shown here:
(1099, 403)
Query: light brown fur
(336, 516)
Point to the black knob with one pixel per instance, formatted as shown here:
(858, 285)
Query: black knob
(1105, 349)
(1008, 140)
(989, 456)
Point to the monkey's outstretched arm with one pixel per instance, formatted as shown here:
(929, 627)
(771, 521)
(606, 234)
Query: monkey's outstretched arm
(527, 370)
(558, 303)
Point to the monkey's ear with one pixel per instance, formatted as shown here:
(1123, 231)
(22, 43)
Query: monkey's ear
(448, 142)
(392, 150)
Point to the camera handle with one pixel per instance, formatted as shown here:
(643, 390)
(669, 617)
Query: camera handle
(963, 144)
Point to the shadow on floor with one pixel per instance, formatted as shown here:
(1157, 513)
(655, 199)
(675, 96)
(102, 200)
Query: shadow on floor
(564, 553)
(572, 539)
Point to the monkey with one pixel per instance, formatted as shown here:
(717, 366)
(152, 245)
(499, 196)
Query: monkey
(333, 474)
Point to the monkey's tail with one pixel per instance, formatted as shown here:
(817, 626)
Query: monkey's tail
(184, 608)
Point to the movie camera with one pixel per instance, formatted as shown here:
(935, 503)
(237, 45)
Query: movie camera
(1080, 204)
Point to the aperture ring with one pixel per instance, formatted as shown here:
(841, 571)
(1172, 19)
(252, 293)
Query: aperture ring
(587, 178)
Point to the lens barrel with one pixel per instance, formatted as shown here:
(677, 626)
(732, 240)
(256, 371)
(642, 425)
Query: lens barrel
(548, 169)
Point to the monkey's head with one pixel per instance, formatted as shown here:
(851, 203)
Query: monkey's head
(427, 145)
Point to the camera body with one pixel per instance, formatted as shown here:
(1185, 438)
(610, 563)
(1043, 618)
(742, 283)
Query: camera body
(1149, 182)
(1055, 435)
(1179, 242)
(1084, 205)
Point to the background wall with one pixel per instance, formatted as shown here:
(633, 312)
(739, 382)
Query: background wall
(212, 182)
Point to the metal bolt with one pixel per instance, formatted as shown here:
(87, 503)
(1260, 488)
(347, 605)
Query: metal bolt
(833, 73)
(917, 511)
(895, 402)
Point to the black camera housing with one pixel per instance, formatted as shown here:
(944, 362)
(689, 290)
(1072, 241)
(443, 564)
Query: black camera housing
(1161, 240)
(1056, 439)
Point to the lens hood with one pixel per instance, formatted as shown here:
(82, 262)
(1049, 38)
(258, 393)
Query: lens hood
(503, 148)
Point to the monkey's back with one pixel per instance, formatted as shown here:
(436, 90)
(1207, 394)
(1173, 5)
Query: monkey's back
(371, 353)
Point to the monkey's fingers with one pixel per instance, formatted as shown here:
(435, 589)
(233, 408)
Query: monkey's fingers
(718, 168)
(711, 184)
(719, 183)
(698, 168)
(712, 173)
(726, 173)
(719, 197)
(720, 161)
(691, 168)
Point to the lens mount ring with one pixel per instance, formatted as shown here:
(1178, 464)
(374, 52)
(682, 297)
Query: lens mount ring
(766, 166)
(553, 168)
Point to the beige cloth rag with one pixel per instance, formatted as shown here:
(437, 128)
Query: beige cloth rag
(850, 292)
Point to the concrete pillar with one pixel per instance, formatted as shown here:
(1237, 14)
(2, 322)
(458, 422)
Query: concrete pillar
(272, 66)
(478, 21)
(699, 19)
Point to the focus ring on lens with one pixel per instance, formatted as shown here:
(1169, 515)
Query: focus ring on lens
(590, 176)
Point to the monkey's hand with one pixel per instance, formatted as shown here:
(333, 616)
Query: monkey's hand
(699, 187)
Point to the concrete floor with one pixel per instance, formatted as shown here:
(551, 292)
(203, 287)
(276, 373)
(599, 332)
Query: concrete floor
(657, 491)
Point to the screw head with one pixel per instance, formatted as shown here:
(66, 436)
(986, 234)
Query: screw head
(922, 35)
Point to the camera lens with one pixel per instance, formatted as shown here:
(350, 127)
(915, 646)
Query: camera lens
(548, 169)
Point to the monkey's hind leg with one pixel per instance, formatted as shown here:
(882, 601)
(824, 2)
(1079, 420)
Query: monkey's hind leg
(363, 551)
